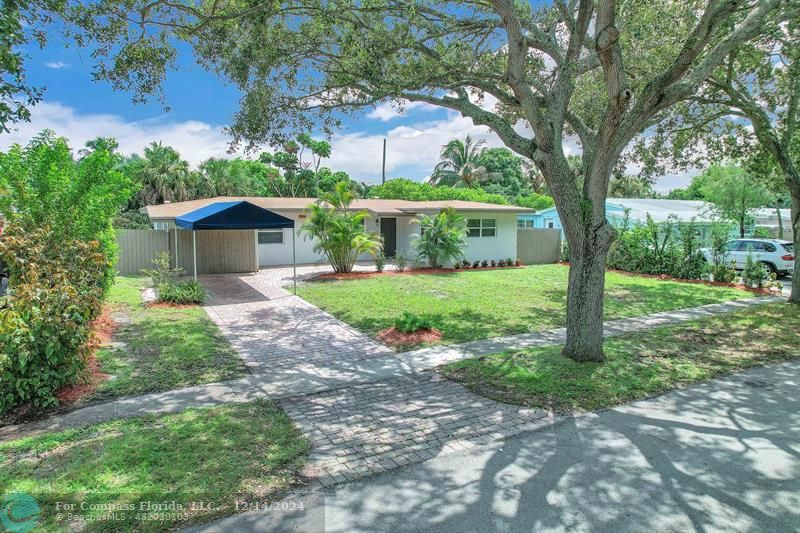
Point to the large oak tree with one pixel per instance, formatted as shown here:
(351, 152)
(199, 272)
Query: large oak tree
(533, 75)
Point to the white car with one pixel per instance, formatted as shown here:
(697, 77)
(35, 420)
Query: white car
(776, 255)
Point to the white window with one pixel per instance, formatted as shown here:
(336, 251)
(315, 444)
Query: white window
(270, 237)
(481, 227)
(525, 223)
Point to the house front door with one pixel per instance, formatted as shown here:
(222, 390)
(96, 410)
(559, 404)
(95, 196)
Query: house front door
(389, 234)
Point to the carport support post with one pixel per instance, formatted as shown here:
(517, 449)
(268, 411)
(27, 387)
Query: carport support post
(194, 253)
(255, 233)
(177, 264)
(294, 263)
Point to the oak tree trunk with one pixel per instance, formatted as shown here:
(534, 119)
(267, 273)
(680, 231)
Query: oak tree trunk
(585, 295)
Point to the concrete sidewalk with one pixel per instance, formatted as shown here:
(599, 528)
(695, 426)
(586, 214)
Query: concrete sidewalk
(723, 455)
(336, 374)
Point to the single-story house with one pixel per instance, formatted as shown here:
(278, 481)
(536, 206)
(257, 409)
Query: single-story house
(697, 212)
(491, 231)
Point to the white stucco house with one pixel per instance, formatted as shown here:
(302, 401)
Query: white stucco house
(491, 231)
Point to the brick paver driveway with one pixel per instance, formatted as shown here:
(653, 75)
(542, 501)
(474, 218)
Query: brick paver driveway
(374, 427)
(273, 330)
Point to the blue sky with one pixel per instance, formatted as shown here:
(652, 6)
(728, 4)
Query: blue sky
(200, 105)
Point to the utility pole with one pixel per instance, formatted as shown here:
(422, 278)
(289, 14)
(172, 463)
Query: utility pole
(383, 167)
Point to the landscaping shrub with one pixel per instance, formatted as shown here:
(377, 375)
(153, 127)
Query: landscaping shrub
(55, 292)
(476, 264)
(501, 263)
(457, 265)
(185, 292)
(338, 231)
(380, 261)
(162, 271)
(400, 262)
(442, 238)
(410, 322)
(466, 264)
(755, 274)
(484, 263)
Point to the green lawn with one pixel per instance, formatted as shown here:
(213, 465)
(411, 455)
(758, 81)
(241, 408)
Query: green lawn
(638, 364)
(239, 452)
(166, 348)
(476, 305)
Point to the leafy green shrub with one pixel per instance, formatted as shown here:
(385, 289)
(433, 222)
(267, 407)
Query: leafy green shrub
(466, 264)
(410, 322)
(501, 263)
(755, 274)
(380, 261)
(400, 262)
(476, 264)
(162, 271)
(442, 238)
(493, 263)
(43, 185)
(185, 292)
(55, 292)
(721, 273)
(761, 233)
(564, 250)
(338, 231)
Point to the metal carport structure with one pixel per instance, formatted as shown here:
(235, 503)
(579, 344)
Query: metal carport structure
(239, 215)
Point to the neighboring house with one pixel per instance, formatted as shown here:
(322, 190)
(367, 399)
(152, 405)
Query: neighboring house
(660, 210)
(491, 231)
(768, 218)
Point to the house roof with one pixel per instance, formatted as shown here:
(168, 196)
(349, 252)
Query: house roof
(660, 210)
(374, 206)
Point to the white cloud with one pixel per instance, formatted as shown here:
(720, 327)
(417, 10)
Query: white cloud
(195, 140)
(387, 111)
(58, 65)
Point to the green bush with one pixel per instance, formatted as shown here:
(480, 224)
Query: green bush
(409, 323)
(185, 292)
(55, 291)
(400, 262)
(721, 273)
(442, 238)
(380, 261)
(162, 271)
(755, 274)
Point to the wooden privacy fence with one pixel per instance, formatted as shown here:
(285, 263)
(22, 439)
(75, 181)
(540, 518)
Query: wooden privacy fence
(218, 251)
(138, 248)
(537, 246)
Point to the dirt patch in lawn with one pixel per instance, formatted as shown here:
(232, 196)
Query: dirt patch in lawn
(394, 337)
(407, 272)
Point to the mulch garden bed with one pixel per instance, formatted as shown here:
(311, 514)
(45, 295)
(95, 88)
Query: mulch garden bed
(406, 272)
(393, 337)
(666, 277)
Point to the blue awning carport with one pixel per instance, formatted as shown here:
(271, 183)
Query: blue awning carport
(234, 216)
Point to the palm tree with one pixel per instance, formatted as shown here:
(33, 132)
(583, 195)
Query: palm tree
(164, 175)
(338, 231)
(458, 166)
(441, 238)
